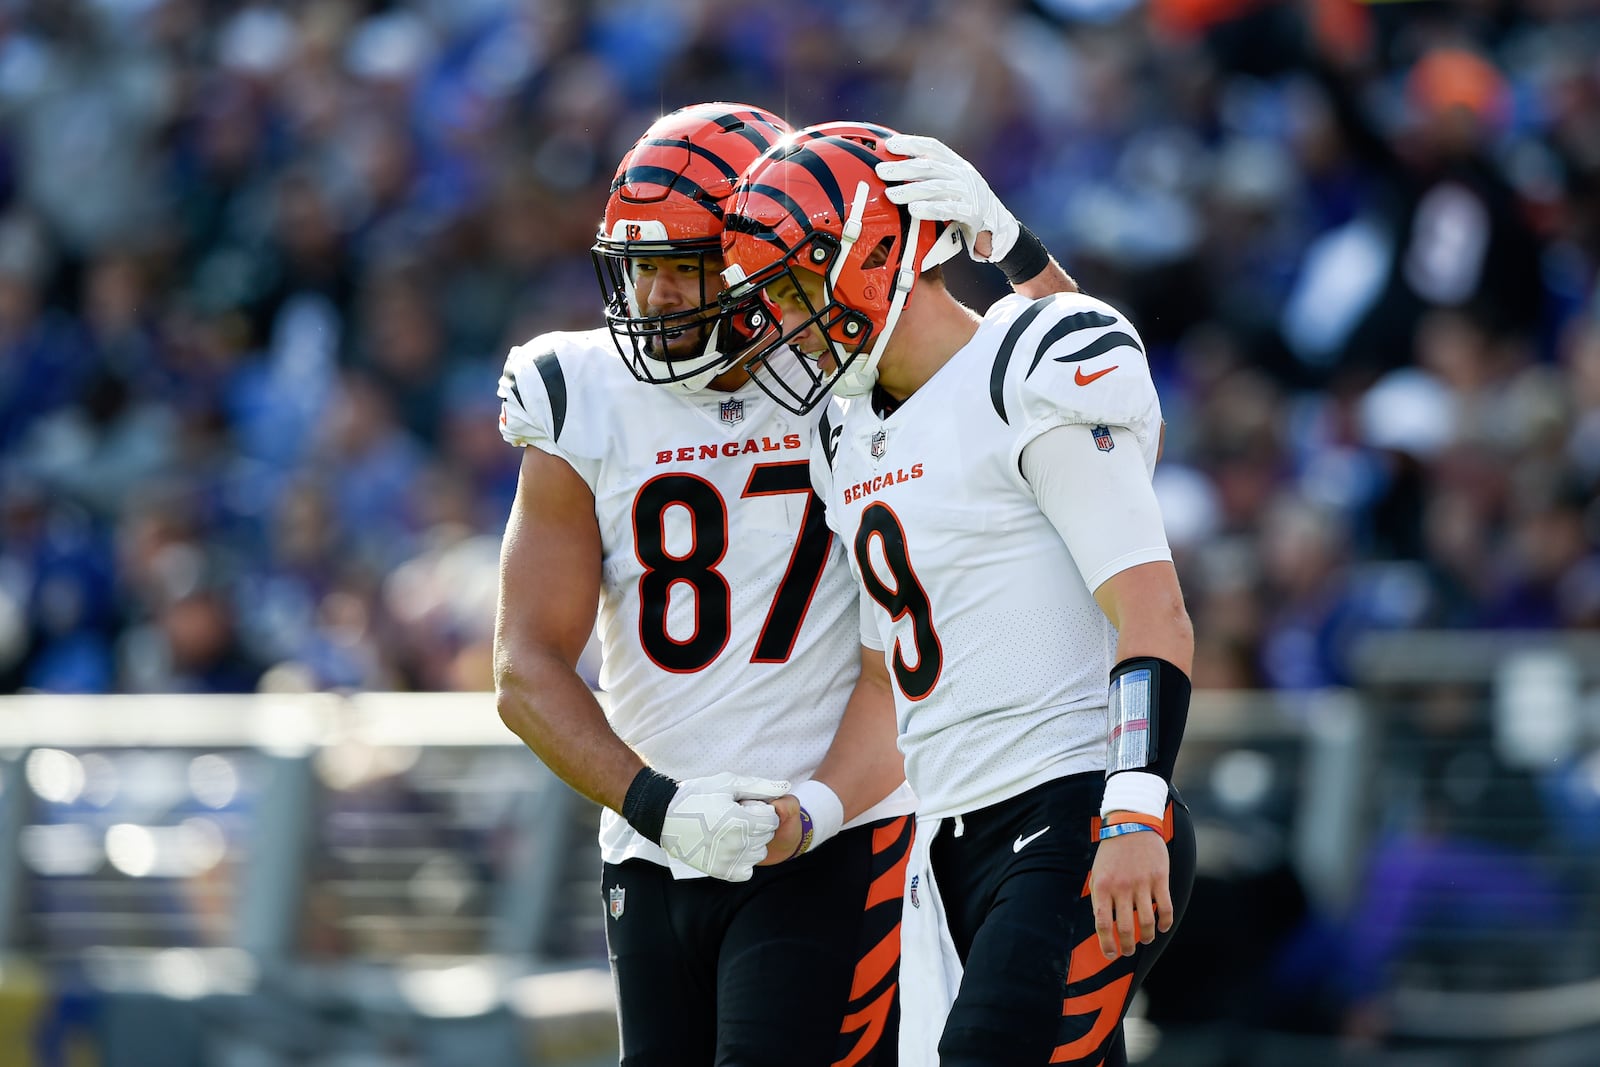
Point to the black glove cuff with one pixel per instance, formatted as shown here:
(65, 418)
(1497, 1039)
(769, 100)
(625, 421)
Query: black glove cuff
(1027, 258)
(645, 806)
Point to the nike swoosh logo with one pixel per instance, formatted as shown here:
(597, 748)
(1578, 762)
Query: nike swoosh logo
(1023, 842)
(1084, 379)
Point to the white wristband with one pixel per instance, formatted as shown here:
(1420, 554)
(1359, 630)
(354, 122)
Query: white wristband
(824, 807)
(1138, 791)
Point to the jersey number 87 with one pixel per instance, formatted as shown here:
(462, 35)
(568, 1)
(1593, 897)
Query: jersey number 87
(697, 567)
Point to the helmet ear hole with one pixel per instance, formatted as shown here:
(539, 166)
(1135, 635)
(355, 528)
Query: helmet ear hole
(879, 255)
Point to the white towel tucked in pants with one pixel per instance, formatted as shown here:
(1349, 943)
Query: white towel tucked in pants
(930, 970)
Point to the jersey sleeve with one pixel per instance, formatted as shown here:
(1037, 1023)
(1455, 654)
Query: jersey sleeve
(536, 402)
(531, 413)
(1071, 360)
(1100, 501)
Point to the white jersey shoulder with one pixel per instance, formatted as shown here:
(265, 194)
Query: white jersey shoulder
(1069, 360)
(546, 392)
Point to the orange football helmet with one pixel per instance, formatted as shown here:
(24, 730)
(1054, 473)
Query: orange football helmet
(814, 202)
(667, 199)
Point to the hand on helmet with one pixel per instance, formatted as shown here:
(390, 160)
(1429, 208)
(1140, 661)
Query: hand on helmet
(941, 186)
(720, 825)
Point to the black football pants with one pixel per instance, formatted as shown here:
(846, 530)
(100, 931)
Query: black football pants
(1035, 987)
(798, 967)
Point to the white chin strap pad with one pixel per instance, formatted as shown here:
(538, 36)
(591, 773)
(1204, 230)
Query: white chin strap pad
(851, 384)
(695, 382)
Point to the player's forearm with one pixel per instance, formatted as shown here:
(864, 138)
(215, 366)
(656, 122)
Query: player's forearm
(1151, 619)
(543, 701)
(863, 764)
(1149, 687)
(1053, 279)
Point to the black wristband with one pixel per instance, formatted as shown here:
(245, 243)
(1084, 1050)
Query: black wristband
(1027, 258)
(645, 806)
(1168, 712)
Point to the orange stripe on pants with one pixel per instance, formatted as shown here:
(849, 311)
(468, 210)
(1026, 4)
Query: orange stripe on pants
(874, 1018)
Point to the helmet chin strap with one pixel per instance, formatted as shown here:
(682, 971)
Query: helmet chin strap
(849, 381)
(860, 376)
(850, 234)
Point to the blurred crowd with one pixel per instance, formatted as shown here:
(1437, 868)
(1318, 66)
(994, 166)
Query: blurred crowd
(260, 262)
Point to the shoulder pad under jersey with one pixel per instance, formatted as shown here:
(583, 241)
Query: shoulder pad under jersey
(536, 386)
(1070, 359)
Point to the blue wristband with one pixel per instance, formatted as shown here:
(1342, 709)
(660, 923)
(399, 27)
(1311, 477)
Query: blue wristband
(1117, 829)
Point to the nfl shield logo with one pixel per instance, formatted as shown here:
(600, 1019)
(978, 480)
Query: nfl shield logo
(1102, 438)
(733, 411)
(880, 444)
(617, 895)
(916, 902)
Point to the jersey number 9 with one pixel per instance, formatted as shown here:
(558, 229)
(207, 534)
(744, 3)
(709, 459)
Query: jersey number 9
(905, 598)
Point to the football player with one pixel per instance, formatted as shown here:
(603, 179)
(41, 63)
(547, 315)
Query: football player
(665, 487)
(991, 485)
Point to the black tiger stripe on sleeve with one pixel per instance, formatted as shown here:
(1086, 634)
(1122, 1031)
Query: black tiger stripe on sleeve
(1071, 324)
(555, 385)
(1002, 357)
(1103, 343)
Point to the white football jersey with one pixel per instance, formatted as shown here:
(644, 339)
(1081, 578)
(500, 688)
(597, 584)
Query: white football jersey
(728, 619)
(999, 653)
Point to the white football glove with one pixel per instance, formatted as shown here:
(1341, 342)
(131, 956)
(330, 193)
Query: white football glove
(721, 825)
(941, 186)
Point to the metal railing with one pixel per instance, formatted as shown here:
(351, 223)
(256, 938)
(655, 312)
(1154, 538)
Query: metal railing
(408, 844)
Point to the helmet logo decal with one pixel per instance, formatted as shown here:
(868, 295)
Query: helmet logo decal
(634, 230)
